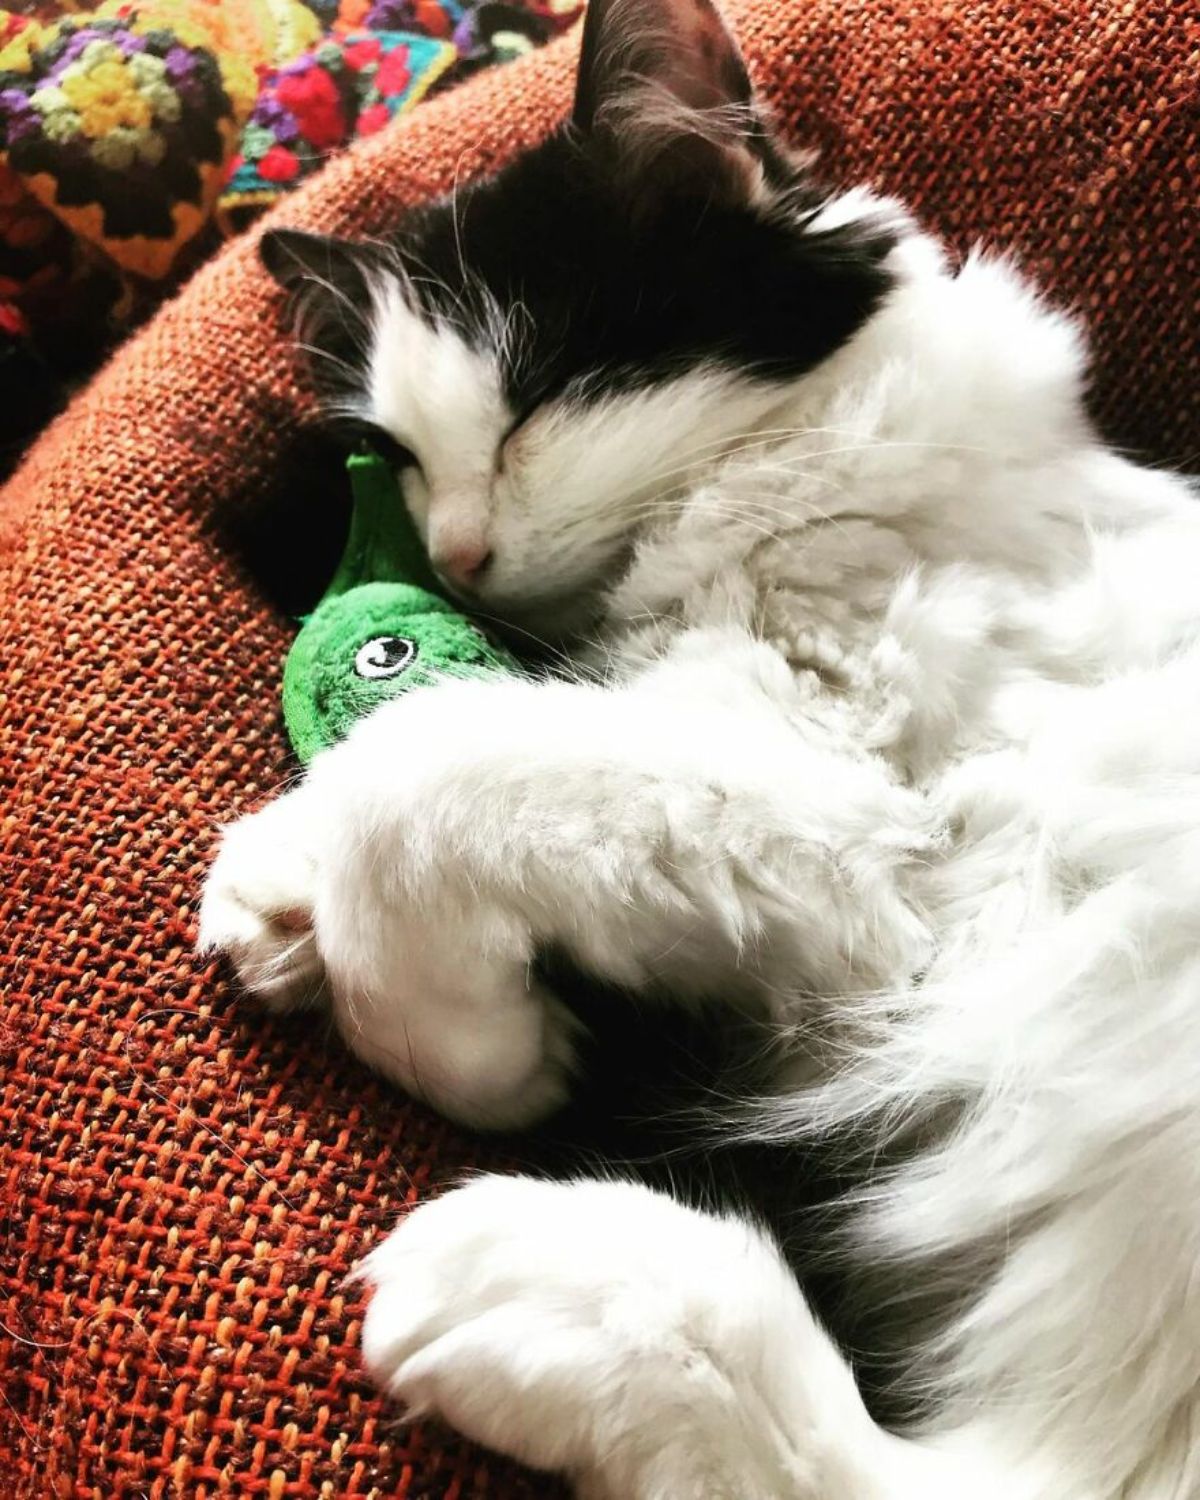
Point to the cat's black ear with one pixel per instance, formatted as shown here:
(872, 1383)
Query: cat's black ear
(328, 282)
(294, 257)
(662, 86)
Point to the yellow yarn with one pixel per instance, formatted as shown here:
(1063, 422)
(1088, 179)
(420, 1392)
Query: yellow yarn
(243, 35)
(14, 54)
(106, 97)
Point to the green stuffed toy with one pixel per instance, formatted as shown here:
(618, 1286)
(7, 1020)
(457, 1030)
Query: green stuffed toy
(380, 628)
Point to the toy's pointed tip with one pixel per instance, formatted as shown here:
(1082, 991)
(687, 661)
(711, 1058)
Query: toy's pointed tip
(383, 545)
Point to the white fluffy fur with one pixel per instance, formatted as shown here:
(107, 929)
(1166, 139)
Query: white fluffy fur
(902, 678)
(598, 1299)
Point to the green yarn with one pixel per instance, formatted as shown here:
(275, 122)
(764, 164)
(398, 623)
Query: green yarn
(380, 629)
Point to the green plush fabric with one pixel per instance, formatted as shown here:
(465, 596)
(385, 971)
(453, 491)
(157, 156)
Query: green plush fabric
(379, 630)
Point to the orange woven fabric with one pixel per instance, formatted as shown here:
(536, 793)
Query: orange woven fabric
(184, 1183)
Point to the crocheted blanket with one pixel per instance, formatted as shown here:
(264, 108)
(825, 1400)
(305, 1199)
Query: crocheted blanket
(135, 133)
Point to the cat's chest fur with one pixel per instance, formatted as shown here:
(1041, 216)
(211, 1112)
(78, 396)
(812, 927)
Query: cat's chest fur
(929, 537)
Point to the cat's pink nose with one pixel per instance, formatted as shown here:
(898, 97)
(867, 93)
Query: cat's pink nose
(464, 563)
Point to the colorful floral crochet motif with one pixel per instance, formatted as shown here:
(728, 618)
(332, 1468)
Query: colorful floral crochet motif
(379, 58)
(121, 122)
(122, 134)
(348, 85)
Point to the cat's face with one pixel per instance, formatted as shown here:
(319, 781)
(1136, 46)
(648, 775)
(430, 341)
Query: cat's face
(553, 354)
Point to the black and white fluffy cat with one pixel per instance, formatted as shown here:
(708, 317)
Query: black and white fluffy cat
(884, 728)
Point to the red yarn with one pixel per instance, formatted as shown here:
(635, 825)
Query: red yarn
(394, 74)
(313, 98)
(12, 25)
(432, 18)
(373, 118)
(11, 320)
(361, 53)
(279, 165)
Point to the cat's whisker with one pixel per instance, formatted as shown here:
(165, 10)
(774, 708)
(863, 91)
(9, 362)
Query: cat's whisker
(726, 448)
(354, 372)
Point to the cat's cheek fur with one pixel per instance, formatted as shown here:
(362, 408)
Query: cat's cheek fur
(527, 491)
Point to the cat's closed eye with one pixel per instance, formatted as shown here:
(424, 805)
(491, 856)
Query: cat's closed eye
(383, 444)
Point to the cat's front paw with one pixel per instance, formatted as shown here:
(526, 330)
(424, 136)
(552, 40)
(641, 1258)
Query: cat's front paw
(437, 993)
(594, 1329)
(257, 907)
(420, 914)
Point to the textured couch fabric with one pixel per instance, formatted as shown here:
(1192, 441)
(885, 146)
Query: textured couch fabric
(185, 1184)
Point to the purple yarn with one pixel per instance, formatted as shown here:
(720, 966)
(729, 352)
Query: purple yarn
(295, 68)
(392, 15)
(275, 117)
(464, 38)
(72, 49)
(181, 64)
(126, 42)
(21, 119)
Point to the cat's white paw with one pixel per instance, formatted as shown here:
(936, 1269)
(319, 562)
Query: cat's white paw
(602, 1331)
(420, 919)
(257, 907)
(428, 1004)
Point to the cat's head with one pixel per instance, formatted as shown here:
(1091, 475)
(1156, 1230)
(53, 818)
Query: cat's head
(550, 354)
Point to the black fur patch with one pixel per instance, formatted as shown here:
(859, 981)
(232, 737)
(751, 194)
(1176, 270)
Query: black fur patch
(614, 305)
(662, 228)
(598, 297)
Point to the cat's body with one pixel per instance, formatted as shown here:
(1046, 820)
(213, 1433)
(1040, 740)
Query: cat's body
(887, 732)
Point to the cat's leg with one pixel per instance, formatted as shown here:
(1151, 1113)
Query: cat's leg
(647, 1351)
(604, 1331)
(686, 832)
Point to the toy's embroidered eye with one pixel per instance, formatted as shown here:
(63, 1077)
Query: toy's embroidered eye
(385, 656)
